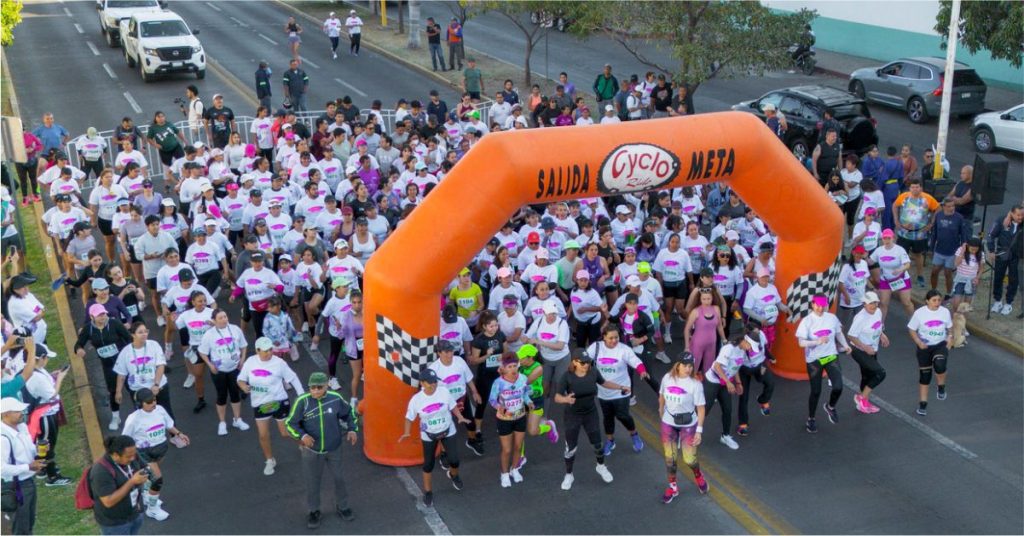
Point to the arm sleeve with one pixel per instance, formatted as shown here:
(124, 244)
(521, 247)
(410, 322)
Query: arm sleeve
(294, 422)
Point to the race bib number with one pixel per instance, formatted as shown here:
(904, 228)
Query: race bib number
(133, 310)
(466, 303)
(898, 284)
(771, 312)
(107, 351)
(359, 344)
(513, 405)
(493, 360)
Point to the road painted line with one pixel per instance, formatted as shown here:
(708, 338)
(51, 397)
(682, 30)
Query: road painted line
(316, 356)
(430, 515)
(92, 47)
(267, 39)
(68, 12)
(240, 23)
(915, 423)
(213, 6)
(79, 28)
(350, 86)
(131, 100)
(304, 60)
(110, 71)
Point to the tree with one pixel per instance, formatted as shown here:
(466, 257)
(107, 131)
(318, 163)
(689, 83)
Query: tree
(401, 17)
(414, 24)
(533, 33)
(462, 10)
(706, 40)
(10, 16)
(994, 26)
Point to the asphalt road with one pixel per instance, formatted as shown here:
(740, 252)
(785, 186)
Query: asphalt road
(960, 470)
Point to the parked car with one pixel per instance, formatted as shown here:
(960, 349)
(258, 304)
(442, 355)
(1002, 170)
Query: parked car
(161, 43)
(804, 107)
(999, 130)
(112, 12)
(915, 85)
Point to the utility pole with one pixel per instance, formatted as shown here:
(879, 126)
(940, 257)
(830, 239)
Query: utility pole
(414, 24)
(947, 86)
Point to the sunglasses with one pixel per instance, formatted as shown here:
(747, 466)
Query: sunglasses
(706, 290)
(317, 387)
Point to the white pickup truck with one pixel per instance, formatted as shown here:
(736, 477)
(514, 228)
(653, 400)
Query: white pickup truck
(112, 12)
(161, 43)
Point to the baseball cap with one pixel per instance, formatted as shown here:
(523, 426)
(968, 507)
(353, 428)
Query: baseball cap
(264, 344)
(732, 235)
(686, 358)
(97, 310)
(633, 281)
(428, 376)
(504, 271)
(550, 308)
(622, 209)
(185, 274)
(583, 274)
(144, 396)
(643, 268)
(12, 405)
(582, 357)
(317, 378)
(858, 249)
(199, 231)
(168, 202)
(888, 233)
(285, 257)
(449, 315)
(533, 238)
(542, 254)
(62, 198)
(526, 350)
(755, 346)
(420, 166)
(871, 297)
(820, 301)
(870, 211)
(445, 346)
(465, 271)
(99, 284)
(609, 108)
(509, 359)
(707, 272)
(763, 272)
(339, 282)
(340, 243)
(547, 223)
(257, 256)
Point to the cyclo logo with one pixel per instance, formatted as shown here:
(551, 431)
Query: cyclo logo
(635, 167)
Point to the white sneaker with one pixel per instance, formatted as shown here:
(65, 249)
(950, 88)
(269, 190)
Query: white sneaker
(157, 513)
(268, 469)
(160, 321)
(240, 424)
(997, 307)
(222, 428)
(305, 327)
(506, 482)
(632, 400)
(168, 350)
(190, 380)
(335, 54)
(567, 482)
(728, 441)
(667, 337)
(516, 476)
(606, 475)
(115, 422)
(294, 353)
(663, 357)
(1007, 309)
(334, 384)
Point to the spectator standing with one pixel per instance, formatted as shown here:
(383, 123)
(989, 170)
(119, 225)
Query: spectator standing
(42, 393)
(604, 87)
(434, 43)
(19, 467)
(949, 232)
(116, 486)
(355, 32)
(437, 107)
(1005, 249)
(296, 84)
(263, 91)
(963, 194)
(195, 109)
(455, 50)
(53, 136)
(914, 214)
(220, 122)
(661, 97)
(472, 80)
(29, 172)
(127, 129)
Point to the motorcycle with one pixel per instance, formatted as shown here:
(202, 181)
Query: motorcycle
(803, 59)
(547, 20)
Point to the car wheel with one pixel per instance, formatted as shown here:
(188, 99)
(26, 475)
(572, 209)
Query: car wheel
(916, 111)
(201, 74)
(128, 59)
(984, 140)
(145, 76)
(799, 148)
(111, 40)
(857, 88)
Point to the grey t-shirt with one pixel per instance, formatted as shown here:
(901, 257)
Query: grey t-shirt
(148, 244)
(80, 249)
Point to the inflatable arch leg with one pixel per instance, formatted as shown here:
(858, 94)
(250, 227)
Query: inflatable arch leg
(506, 170)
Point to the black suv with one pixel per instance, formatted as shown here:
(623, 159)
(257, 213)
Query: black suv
(803, 108)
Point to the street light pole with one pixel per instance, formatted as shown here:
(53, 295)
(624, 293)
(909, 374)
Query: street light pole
(947, 86)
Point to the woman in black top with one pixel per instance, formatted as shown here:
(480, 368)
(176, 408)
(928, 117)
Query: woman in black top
(578, 388)
(129, 290)
(108, 336)
(487, 348)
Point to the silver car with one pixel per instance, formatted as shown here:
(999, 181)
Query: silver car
(915, 85)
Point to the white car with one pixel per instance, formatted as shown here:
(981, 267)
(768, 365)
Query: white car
(112, 12)
(999, 130)
(161, 43)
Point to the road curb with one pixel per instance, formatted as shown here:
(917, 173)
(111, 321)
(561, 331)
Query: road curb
(979, 331)
(90, 420)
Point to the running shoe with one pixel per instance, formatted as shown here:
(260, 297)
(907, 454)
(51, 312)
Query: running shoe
(670, 493)
(57, 480)
(293, 352)
(632, 400)
(766, 409)
(24, 201)
(728, 441)
(522, 462)
(922, 409)
(506, 481)
(833, 415)
(1006, 309)
(702, 484)
(442, 460)
(268, 468)
(190, 380)
(941, 395)
(609, 446)
(476, 446)
(456, 480)
(37, 199)
(552, 434)
(858, 403)
(428, 499)
(567, 482)
(602, 470)
(668, 337)
(811, 426)
(305, 327)
(334, 384)
(200, 404)
(663, 357)
(638, 444)
(346, 514)
(742, 430)
(920, 281)
(517, 477)
(115, 422)
(871, 407)
(222, 428)
(154, 511)
(313, 520)
(161, 321)
(240, 424)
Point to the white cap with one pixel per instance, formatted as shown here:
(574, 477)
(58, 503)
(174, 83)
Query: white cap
(550, 308)
(871, 297)
(622, 209)
(168, 202)
(633, 281)
(340, 243)
(609, 108)
(542, 254)
(11, 404)
(732, 235)
(198, 145)
(264, 344)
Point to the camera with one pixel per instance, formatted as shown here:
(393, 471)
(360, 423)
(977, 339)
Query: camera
(180, 101)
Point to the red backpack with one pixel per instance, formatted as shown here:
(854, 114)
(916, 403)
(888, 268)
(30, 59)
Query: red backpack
(83, 493)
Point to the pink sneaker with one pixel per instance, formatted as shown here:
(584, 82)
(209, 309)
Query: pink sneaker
(871, 407)
(553, 432)
(859, 402)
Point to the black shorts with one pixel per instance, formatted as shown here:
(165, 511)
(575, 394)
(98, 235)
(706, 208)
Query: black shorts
(676, 290)
(507, 427)
(926, 357)
(151, 283)
(916, 247)
(168, 157)
(475, 95)
(95, 166)
(278, 410)
(308, 293)
(154, 453)
(106, 226)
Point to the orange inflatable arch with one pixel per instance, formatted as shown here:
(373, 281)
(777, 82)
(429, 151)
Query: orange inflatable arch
(506, 170)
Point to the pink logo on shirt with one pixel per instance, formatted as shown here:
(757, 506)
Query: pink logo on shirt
(109, 197)
(453, 378)
(537, 278)
(934, 323)
(719, 277)
(315, 209)
(886, 258)
(261, 373)
(67, 188)
(823, 333)
(877, 324)
(450, 335)
(768, 299)
(69, 221)
(202, 255)
(607, 360)
(253, 281)
(859, 273)
(675, 390)
(196, 324)
(225, 341)
(278, 226)
(432, 408)
(547, 336)
(331, 169)
(576, 299)
(142, 360)
(167, 226)
(155, 427)
(671, 263)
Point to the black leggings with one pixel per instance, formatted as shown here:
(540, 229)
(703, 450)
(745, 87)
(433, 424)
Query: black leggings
(257, 321)
(226, 384)
(110, 377)
(334, 355)
(871, 372)
(572, 422)
(27, 177)
(211, 280)
(728, 314)
(716, 391)
(766, 379)
(484, 380)
(451, 453)
(616, 409)
(835, 376)
(48, 429)
(587, 333)
(354, 45)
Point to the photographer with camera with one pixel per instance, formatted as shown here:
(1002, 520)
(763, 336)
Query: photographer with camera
(192, 109)
(115, 485)
(42, 394)
(18, 356)
(151, 428)
(19, 469)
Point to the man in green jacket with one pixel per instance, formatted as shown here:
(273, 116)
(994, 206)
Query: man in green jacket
(605, 86)
(318, 421)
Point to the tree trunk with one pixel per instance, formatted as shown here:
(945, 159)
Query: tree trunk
(401, 17)
(528, 74)
(414, 24)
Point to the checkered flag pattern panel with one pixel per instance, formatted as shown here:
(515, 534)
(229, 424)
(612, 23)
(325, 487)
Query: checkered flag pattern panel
(798, 297)
(402, 354)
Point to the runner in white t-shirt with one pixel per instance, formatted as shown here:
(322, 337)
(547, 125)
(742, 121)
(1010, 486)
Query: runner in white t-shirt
(866, 335)
(264, 378)
(930, 329)
(681, 407)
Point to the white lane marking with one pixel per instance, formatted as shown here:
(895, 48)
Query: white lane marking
(68, 12)
(131, 100)
(109, 71)
(79, 28)
(350, 86)
(316, 356)
(914, 423)
(214, 7)
(430, 515)
(92, 47)
(240, 23)
(267, 39)
(304, 60)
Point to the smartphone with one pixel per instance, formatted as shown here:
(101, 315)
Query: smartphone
(66, 367)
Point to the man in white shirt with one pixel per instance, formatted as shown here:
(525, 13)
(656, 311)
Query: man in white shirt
(195, 110)
(500, 109)
(355, 31)
(20, 466)
(609, 116)
(332, 27)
